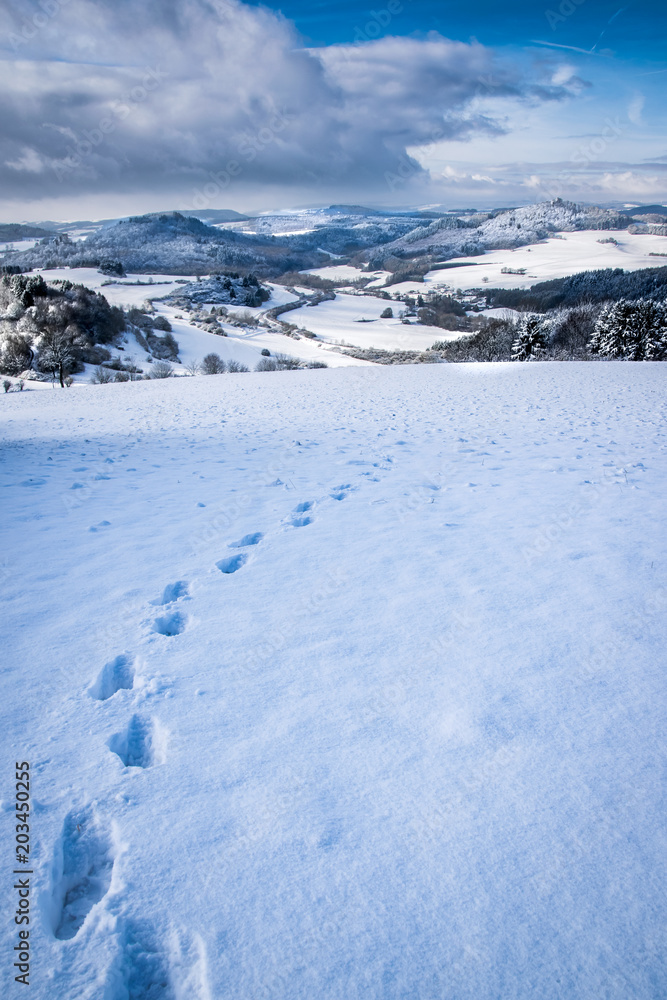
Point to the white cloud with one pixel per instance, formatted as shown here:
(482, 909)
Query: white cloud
(120, 97)
(29, 161)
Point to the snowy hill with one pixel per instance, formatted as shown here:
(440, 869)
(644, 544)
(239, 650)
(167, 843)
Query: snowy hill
(272, 244)
(170, 244)
(354, 686)
(11, 232)
(449, 237)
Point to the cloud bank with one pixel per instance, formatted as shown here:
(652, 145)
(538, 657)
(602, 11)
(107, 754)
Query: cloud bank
(191, 98)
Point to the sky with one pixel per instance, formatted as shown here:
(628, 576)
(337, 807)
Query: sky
(115, 107)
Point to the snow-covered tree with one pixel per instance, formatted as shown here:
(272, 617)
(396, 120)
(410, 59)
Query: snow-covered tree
(652, 322)
(57, 354)
(636, 331)
(530, 341)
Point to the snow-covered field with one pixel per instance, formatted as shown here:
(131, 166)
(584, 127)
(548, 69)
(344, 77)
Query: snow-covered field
(558, 257)
(11, 245)
(340, 684)
(242, 344)
(245, 344)
(355, 320)
(338, 321)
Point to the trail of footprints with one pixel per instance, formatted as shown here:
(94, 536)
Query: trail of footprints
(85, 854)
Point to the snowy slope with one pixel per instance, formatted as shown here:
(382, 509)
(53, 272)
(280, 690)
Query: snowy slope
(340, 685)
(510, 228)
(355, 320)
(242, 344)
(557, 257)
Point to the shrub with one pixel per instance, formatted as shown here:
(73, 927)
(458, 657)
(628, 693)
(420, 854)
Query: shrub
(101, 375)
(235, 366)
(266, 365)
(265, 353)
(114, 268)
(163, 348)
(6, 385)
(94, 355)
(387, 313)
(244, 318)
(213, 365)
(161, 369)
(161, 323)
(286, 363)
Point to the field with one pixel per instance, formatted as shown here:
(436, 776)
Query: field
(341, 684)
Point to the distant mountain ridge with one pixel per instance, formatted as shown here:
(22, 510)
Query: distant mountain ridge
(269, 245)
(504, 230)
(168, 243)
(12, 231)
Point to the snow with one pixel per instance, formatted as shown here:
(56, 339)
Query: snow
(557, 257)
(11, 245)
(339, 321)
(242, 344)
(338, 272)
(117, 291)
(245, 344)
(410, 745)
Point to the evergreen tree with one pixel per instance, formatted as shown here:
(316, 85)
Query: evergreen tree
(635, 331)
(654, 329)
(530, 340)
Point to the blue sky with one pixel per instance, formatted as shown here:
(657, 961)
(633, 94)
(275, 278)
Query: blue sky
(637, 30)
(115, 106)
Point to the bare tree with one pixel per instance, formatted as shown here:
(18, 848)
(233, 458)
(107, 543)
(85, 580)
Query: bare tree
(57, 354)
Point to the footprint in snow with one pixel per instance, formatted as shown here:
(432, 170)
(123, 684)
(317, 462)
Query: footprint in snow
(84, 865)
(142, 744)
(252, 539)
(173, 592)
(301, 508)
(144, 964)
(232, 563)
(340, 492)
(170, 624)
(116, 675)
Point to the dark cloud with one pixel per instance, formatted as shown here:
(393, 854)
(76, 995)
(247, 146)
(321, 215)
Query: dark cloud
(120, 97)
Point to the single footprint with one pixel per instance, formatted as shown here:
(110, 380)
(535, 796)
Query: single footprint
(114, 675)
(173, 592)
(300, 522)
(340, 492)
(145, 967)
(142, 744)
(301, 508)
(173, 623)
(85, 857)
(252, 539)
(232, 563)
